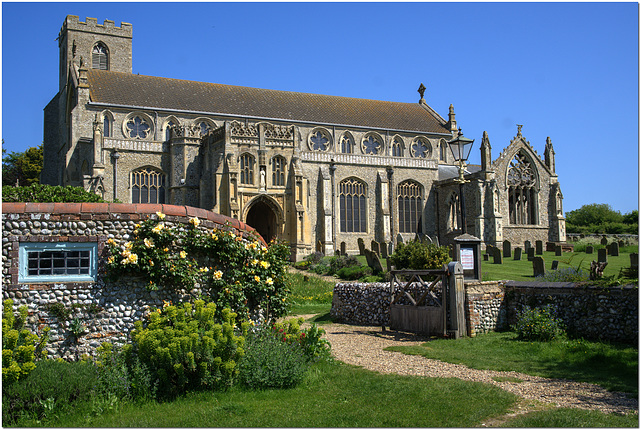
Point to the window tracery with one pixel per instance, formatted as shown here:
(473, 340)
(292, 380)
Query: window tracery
(319, 140)
(148, 186)
(137, 127)
(397, 147)
(100, 57)
(420, 148)
(347, 144)
(371, 144)
(353, 206)
(247, 162)
(278, 171)
(523, 191)
(409, 206)
(453, 212)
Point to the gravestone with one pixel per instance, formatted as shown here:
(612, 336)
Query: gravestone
(375, 247)
(538, 266)
(506, 248)
(539, 249)
(604, 240)
(530, 254)
(527, 246)
(517, 254)
(554, 265)
(400, 239)
(497, 256)
(485, 256)
(343, 248)
(383, 250)
(551, 246)
(633, 258)
(558, 250)
(614, 250)
(602, 255)
(361, 247)
(582, 235)
(589, 250)
(367, 254)
(376, 265)
(337, 253)
(620, 244)
(390, 248)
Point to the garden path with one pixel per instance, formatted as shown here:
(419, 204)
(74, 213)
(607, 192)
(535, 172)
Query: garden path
(364, 346)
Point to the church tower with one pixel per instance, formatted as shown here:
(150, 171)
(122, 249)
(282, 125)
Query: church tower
(102, 46)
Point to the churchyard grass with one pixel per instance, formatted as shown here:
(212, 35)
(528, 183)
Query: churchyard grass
(523, 270)
(332, 395)
(613, 366)
(571, 418)
(309, 294)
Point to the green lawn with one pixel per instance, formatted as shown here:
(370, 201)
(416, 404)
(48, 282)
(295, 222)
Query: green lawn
(523, 270)
(572, 418)
(309, 294)
(613, 366)
(332, 395)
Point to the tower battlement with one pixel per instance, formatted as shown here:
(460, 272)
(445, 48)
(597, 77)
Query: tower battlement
(108, 27)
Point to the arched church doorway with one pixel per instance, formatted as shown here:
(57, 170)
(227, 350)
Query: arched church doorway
(262, 217)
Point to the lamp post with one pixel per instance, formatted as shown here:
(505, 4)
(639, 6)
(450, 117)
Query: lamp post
(460, 148)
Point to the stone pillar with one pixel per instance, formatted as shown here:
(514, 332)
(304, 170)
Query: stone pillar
(383, 203)
(456, 300)
(327, 215)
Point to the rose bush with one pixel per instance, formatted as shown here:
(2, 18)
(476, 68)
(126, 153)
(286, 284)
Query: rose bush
(235, 272)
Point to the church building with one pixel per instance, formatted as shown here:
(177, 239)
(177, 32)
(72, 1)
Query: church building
(312, 170)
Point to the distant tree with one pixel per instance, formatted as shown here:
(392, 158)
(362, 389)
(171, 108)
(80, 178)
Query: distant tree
(631, 217)
(601, 218)
(22, 168)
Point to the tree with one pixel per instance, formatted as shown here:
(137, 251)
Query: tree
(22, 168)
(593, 214)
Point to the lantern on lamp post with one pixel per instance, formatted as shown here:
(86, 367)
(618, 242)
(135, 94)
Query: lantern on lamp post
(460, 148)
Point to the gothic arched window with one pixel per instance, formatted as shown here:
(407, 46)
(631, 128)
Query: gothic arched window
(247, 162)
(353, 206)
(523, 191)
(397, 147)
(107, 125)
(147, 186)
(409, 206)
(278, 171)
(347, 143)
(167, 130)
(443, 150)
(100, 57)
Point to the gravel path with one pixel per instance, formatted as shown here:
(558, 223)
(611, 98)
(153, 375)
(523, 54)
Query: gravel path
(364, 346)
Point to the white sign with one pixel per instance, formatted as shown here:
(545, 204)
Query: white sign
(466, 258)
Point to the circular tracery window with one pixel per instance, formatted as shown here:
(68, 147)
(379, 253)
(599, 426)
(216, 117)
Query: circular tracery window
(371, 144)
(319, 140)
(420, 148)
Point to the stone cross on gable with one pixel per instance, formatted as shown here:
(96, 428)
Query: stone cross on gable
(421, 90)
(519, 130)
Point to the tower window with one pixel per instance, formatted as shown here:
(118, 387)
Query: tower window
(353, 206)
(147, 186)
(100, 57)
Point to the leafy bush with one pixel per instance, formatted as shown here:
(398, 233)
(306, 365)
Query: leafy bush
(538, 324)
(185, 349)
(20, 348)
(338, 262)
(270, 361)
(314, 258)
(52, 384)
(310, 340)
(417, 255)
(37, 193)
(236, 273)
(122, 379)
(353, 273)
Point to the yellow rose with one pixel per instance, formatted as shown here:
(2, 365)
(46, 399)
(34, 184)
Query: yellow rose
(111, 259)
(148, 242)
(183, 254)
(256, 278)
(217, 275)
(194, 221)
(269, 281)
(214, 237)
(160, 215)
(133, 258)
(128, 245)
(265, 264)
(111, 241)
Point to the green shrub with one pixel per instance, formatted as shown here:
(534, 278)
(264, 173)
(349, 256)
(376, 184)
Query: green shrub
(417, 255)
(353, 273)
(310, 340)
(339, 262)
(20, 348)
(55, 383)
(570, 274)
(37, 193)
(538, 324)
(122, 379)
(185, 349)
(271, 362)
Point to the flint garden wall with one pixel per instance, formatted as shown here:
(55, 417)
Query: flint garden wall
(606, 313)
(107, 309)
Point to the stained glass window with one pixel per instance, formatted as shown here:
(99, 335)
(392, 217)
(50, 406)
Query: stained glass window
(396, 147)
(346, 143)
(420, 149)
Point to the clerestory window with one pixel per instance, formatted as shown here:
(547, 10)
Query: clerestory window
(137, 128)
(397, 147)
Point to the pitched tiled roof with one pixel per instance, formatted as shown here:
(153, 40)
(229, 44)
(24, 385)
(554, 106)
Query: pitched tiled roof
(128, 89)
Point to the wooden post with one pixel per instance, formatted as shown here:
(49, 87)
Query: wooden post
(456, 299)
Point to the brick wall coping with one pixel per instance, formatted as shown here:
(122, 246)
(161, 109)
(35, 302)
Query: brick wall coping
(564, 285)
(115, 209)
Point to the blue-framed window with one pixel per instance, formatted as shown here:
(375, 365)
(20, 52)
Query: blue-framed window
(58, 262)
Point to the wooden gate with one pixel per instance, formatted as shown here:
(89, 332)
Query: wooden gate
(425, 312)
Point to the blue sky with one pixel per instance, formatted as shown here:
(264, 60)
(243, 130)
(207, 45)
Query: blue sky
(568, 71)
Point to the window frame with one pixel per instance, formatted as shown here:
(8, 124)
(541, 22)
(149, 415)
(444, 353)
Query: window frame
(410, 198)
(354, 203)
(101, 59)
(278, 171)
(161, 187)
(247, 172)
(23, 261)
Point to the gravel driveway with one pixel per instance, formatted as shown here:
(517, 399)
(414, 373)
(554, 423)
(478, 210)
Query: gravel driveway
(364, 346)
